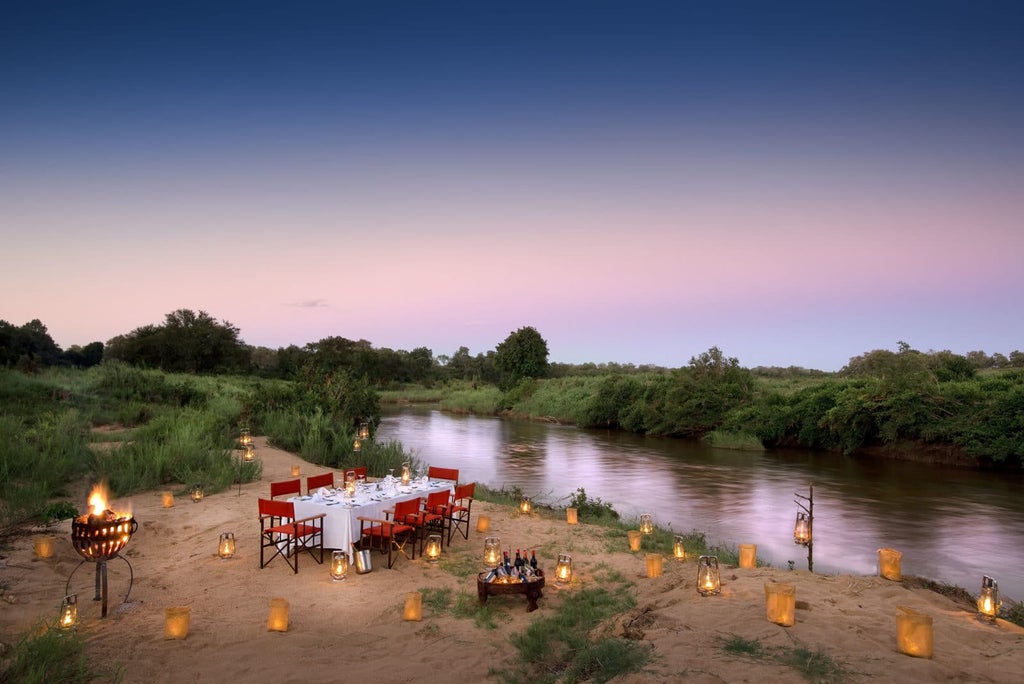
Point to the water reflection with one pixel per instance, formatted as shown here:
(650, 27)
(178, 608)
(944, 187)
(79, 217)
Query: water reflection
(952, 526)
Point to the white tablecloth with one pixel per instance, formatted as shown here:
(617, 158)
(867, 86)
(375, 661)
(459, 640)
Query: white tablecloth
(341, 526)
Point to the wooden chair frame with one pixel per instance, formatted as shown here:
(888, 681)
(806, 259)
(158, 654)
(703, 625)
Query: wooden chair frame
(458, 513)
(288, 535)
(390, 535)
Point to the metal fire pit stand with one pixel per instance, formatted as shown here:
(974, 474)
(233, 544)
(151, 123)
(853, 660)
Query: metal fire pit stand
(101, 581)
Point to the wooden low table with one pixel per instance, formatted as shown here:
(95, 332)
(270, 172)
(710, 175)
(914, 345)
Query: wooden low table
(530, 589)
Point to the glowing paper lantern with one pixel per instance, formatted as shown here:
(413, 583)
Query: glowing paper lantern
(654, 561)
(635, 539)
(42, 546)
(748, 556)
(571, 516)
(413, 607)
(914, 635)
(780, 603)
(483, 523)
(889, 564)
(176, 622)
(167, 499)
(277, 620)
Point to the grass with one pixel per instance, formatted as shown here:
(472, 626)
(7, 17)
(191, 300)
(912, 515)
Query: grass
(563, 648)
(813, 665)
(462, 605)
(49, 654)
(740, 441)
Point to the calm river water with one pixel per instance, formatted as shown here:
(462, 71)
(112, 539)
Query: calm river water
(952, 526)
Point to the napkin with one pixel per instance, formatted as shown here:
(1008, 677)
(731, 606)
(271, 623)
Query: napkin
(321, 494)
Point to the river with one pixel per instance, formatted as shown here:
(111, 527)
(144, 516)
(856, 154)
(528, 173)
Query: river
(952, 526)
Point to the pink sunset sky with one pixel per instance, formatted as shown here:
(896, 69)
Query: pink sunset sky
(637, 198)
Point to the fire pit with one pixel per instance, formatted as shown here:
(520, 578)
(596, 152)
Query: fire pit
(99, 536)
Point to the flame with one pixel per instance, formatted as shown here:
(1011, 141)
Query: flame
(98, 498)
(99, 501)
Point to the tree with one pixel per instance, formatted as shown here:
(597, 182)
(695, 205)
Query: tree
(523, 354)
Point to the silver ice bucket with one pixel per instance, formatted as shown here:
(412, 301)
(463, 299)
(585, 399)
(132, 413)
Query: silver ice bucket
(363, 564)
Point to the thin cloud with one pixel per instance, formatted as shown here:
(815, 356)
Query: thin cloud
(310, 304)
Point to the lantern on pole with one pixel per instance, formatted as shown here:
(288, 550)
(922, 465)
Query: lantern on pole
(802, 530)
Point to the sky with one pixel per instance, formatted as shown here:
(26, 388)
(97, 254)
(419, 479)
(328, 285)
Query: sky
(795, 183)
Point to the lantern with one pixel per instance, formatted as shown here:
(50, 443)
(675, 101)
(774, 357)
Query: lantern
(406, 473)
(339, 565)
(780, 603)
(708, 581)
(364, 431)
(197, 493)
(654, 565)
(889, 564)
(413, 607)
(646, 523)
(571, 516)
(249, 453)
(350, 484)
(525, 506)
(42, 546)
(432, 550)
(988, 600)
(176, 622)
(483, 523)
(226, 546)
(357, 445)
(634, 540)
(245, 439)
(563, 569)
(295, 471)
(914, 635)
(277, 620)
(68, 612)
(167, 499)
(492, 552)
(679, 548)
(802, 529)
(748, 556)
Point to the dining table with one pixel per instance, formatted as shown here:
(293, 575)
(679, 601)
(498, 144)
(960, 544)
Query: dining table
(371, 500)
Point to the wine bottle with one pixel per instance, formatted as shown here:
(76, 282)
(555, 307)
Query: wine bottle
(519, 560)
(533, 560)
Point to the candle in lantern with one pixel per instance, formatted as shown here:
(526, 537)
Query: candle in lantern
(197, 493)
(432, 550)
(364, 431)
(245, 439)
(914, 635)
(525, 506)
(988, 600)
(563, 569)
(357, 446)
(339, 565)
(492, 552)
(167, 499)
(654, 561)
(176, 622)
(709, 582)
(413, 607)
(889, 564)
(406, 473)
(249, 454)
(780, 603)
(802, 529)
(226, 545)
(42, 546)
(646, 523)
(679, 548)
(635, 539)
(277, 620)
(748, 556)
(483, 523)
(69, 612)
(571, 516)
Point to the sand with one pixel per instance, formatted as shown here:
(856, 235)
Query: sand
(353, 630)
